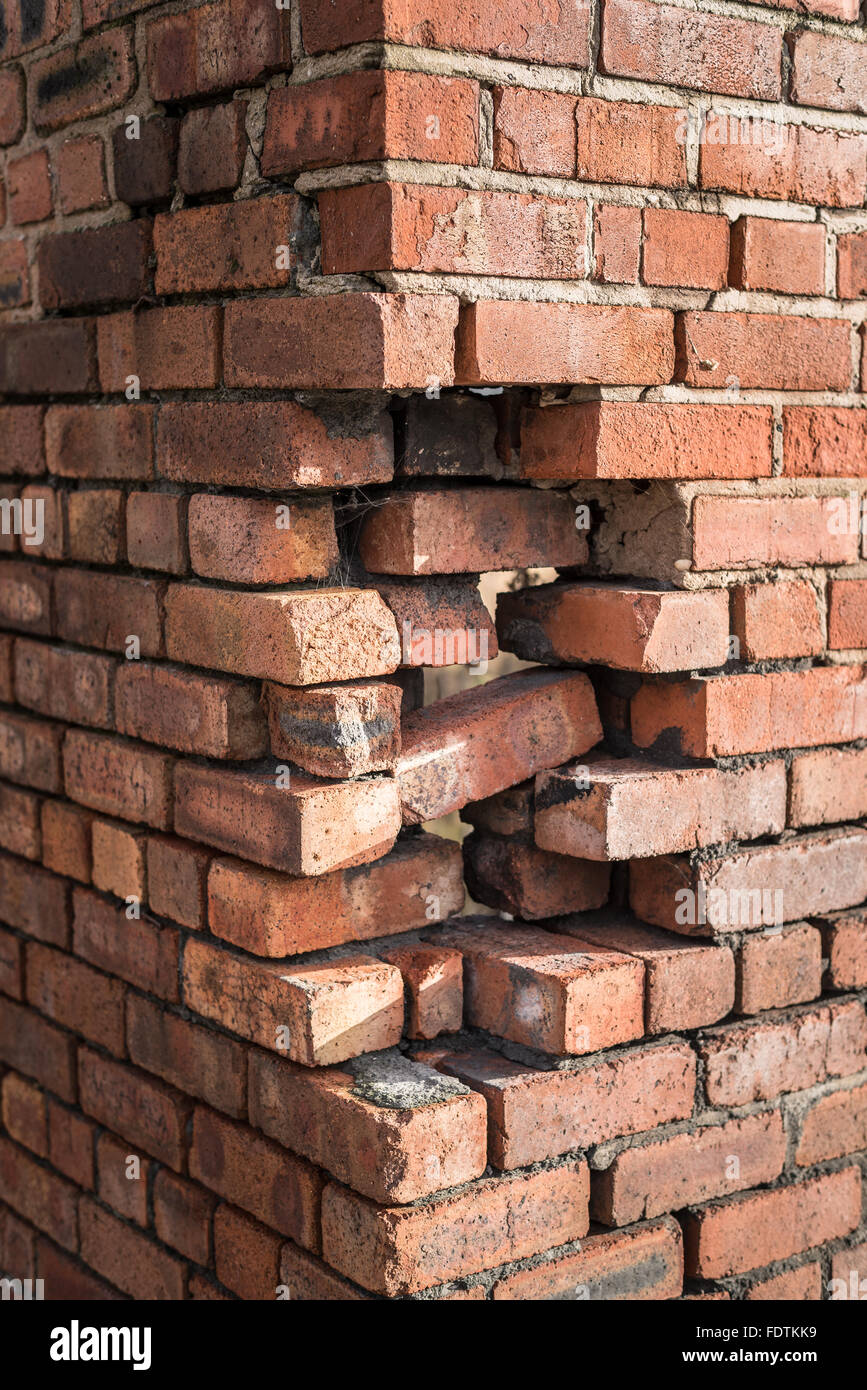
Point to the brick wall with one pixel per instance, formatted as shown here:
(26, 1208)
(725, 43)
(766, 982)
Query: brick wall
(310, 317)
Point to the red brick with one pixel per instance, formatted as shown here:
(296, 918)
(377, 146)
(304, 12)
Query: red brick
(142, 1111)
(764, 350)
(770, 254)
(14, 271)
(534, 132)
(170, 348)
(529, 883)
(26, 27)
(714, 53)
(758, 886)
(414, 227)
(761, 1227)
(685, 248)
(144, 160)
(76, 996)
(246, 1255)
(615, 815)
(834, 1125)
(118, 859)
(176, 874)
(284, 446)
(618, 625)
(192, 713)
(752, 1061)
(54, 545)
(93, 76)
(399, 1250)
(46, 1200)
(254, 541)
(847, 613)
(156, 531)
(845, 945)
(19, 822)
(777, 621)
(822, 441)
(29, 179)
(256, 1175)
(123, 1186)
(308, 1280)
(269, 914)
(35, 1047)
(749, 532)
(231, 43)
(317, 1013)
(793, 162)
(630, 142)
(11, 964)
(453, 751)
(433, 981)
(471, 529)
(369, 115)
(777, 968)
(230, 246)
(442, 622)
(555, 993)
(753, 713)
(287, 827)
(85, 441)
(95, 265)
(106, 610)
(510, 341)
(135, 949)
(25, 597)
(828, 71)
(793, 1285)
(95, 526)
(616, 244)
(118, 778)
(364, 341)
(30, 752)
(340, 730)
(345, 1120)
(640, 1264)
(182, 1215)
(79, 167)
(12, 115)
(129, 1258)
(24, 1113)
(197, 1060)
(57, 355)
(528, 31)
(69, 1280)
(852, 265)
(297, 637)
(212, 148)
(65, 684)
(71, 1144)
(687, 984)
(850, 1267)
(34, 901)
(22, 433)
(693, 1166)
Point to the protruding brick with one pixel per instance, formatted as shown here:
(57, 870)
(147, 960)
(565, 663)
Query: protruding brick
(315, 1014)
(341, 730)
(405, 1249)
(433, 980)
(269, 914)
(453, 751)
(302, 637)
(610, 808)
(554, 993)
(393, 1130)
(619, 625)
(303, 826)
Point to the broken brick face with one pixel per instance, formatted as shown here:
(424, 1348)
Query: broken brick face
(433, 650)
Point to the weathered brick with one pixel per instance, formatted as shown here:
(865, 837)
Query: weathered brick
(218, 46)
(34, 901)
(749, 532)
(770, 254)
(340, 730)
(645, 1262)
(12, 105)
(84, 441)
(685, 248)
(119, 859)
(137, 950)
(350, 1122)
(828, 71)
(190, 712)
(212, 148)
(270, 914)
(133, 1106)
(171, 348)
(196, 1060)
(66, 684)
(792, 162)
(30, 200)
(528, 882)
(231, 246)
(57, 355)
(834, 1125)
(30, 752)
(66, 839)
(852, 265)
(156, 531)
(182, 1215)
(847, 613)
(778, 967)
(79, 167)
(31, 1189)
(129, 1258)
(144, 160)
(75, 995)
(844, 939)
(118, 778)
(763, 350)
(627, 142)
(107, 610)
(94, 265)
(95, 518)
(93, 76)
(177, 872)
(253, 541)
(777, 621)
